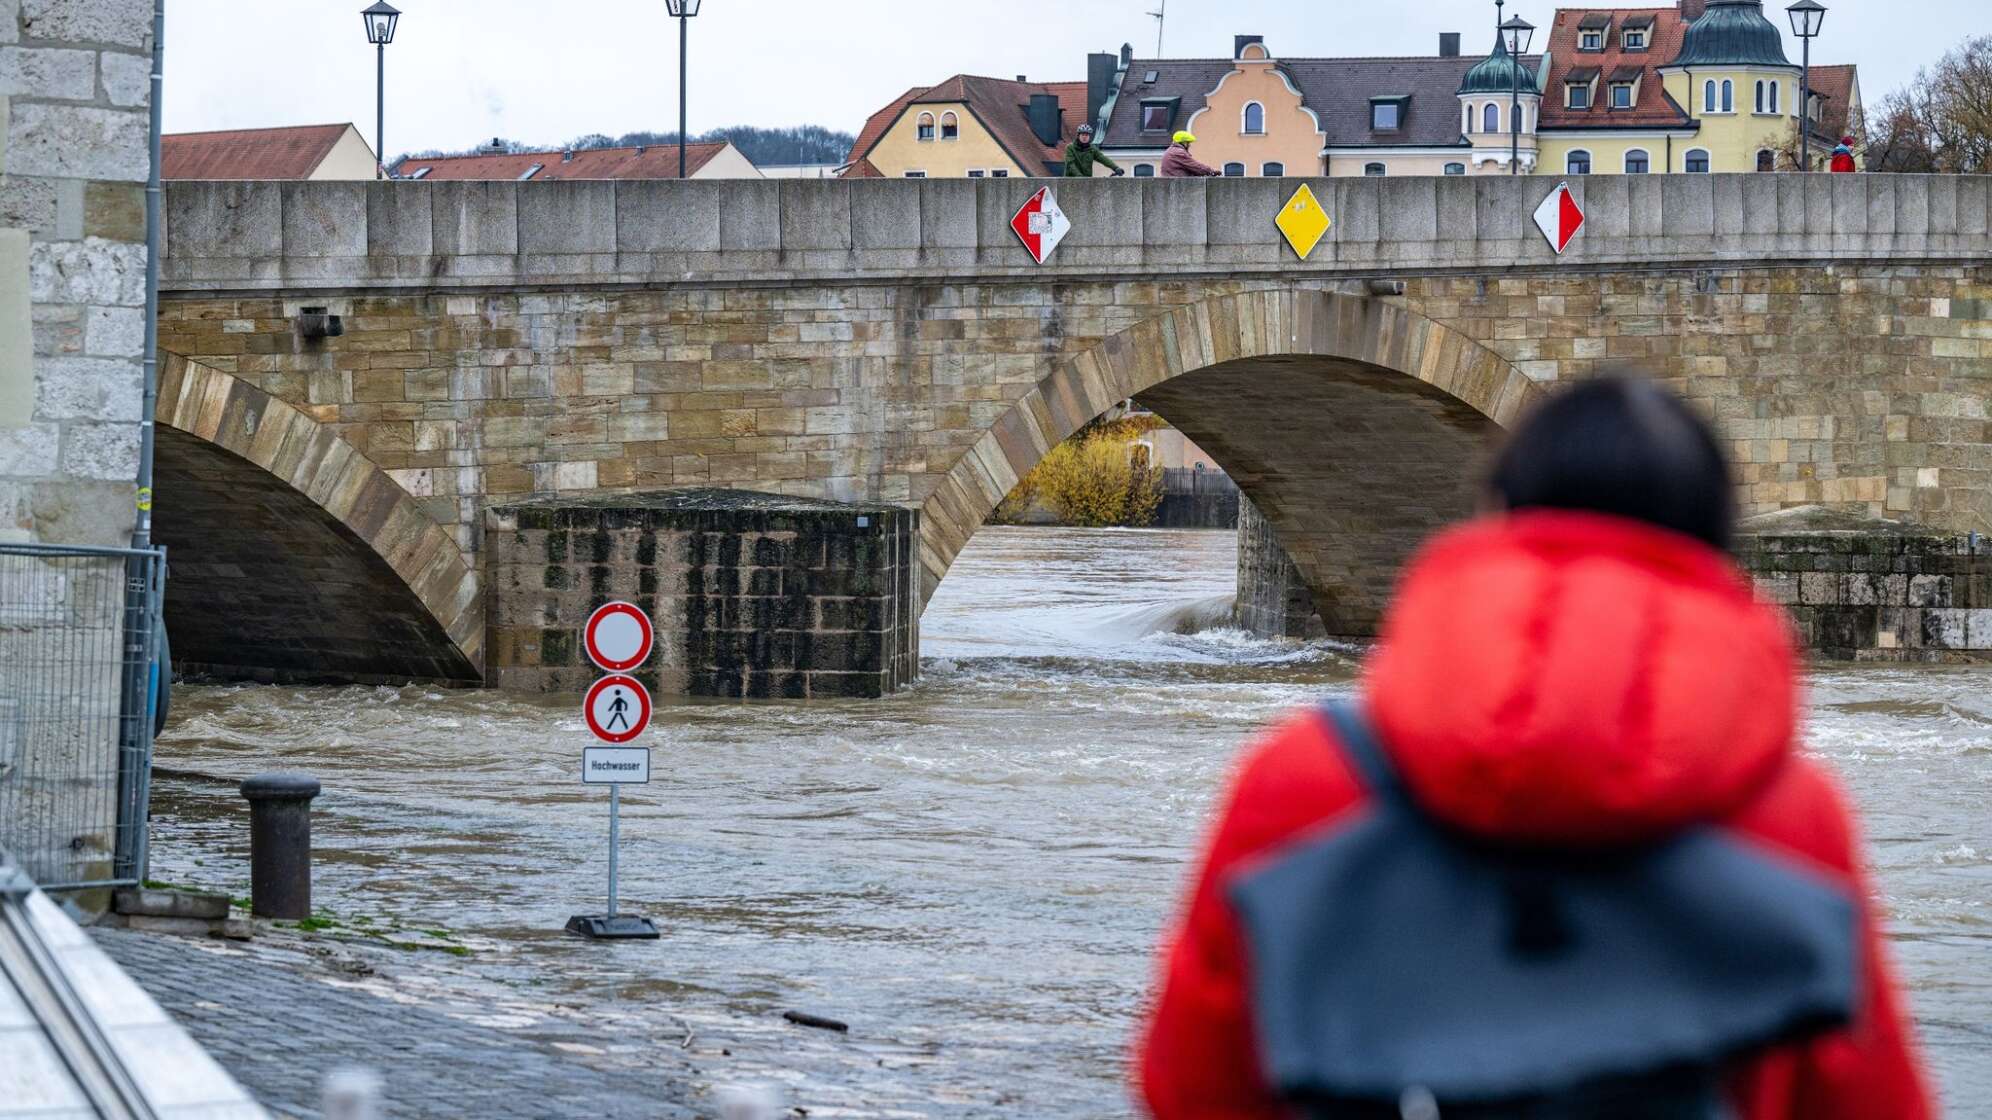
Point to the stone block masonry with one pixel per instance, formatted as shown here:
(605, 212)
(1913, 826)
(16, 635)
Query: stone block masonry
(1865, 590)
(1273, 601)
(74, 87)
(752, 595)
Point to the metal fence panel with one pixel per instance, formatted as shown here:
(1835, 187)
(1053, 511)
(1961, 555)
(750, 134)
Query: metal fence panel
(78, 631)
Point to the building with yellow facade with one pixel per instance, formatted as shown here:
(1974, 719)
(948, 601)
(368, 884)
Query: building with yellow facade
(1694, 86)
(971, 127)
(1698, 87)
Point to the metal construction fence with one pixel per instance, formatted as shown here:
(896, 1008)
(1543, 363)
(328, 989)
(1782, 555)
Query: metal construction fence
(80, 632)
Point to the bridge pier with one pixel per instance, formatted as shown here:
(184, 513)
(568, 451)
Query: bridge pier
(751, 595)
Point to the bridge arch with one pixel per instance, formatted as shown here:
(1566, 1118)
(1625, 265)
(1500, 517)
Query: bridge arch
(1354, 424)
(293, 556)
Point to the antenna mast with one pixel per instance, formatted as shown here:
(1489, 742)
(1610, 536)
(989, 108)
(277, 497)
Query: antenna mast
(1161, 14)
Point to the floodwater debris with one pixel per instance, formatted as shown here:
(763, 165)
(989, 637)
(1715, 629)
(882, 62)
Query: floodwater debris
(805, 1019)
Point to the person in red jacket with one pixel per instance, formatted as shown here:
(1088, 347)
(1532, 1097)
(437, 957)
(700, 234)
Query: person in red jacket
(1562, 843)
(1843, 156)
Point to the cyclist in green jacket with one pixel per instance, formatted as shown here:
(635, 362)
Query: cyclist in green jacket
(1081, 155)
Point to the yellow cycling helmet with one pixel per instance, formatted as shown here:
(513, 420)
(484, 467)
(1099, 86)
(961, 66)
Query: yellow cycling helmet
(1185, 138)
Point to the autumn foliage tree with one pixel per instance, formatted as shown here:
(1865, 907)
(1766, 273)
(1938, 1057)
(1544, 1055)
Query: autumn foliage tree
(1100, 477)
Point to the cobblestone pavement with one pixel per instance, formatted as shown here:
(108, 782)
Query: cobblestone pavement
(281, 1012)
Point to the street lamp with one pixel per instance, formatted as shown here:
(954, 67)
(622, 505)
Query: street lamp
(380, 20)
(1518, 32)
(1807, 16)
(681, 10)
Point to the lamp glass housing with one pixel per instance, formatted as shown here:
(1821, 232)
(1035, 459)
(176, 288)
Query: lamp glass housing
(1519, 32)
(1807, 16)
(380, 20)
(682, 9)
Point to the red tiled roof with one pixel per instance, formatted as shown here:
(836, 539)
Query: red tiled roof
(1836, 85)
(1001, 106)
(248, 153)
(653, 161)
(1653, 107)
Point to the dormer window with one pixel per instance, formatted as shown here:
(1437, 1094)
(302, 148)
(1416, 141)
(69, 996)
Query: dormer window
(1593, 30)
(1580, 86)
(1158, 114)
(1387, 113)
(1636, 33)
(1625, 87)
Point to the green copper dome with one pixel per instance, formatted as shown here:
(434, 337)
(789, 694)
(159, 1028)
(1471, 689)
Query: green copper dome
(1732, 33)
(1497, 73)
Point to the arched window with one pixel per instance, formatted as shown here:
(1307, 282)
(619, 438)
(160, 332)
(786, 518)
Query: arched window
(1373, 169)
(1455, 169)
(1490, 118)
(1708, 96)
(925, 127)
(1234, 171)
(1697, 163)
(1760, 95)
(1468, 127)
(950, 127)
(1775, 87)
(1273, 171)
(1767, 160)
(1578, 163)
(1255, 119)
(1636, 162)
(1728, 96)
(1144, 171)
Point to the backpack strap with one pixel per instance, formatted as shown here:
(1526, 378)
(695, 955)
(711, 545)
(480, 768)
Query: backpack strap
(1359, 742)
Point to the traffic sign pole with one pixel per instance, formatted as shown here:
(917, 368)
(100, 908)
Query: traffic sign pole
(616, 710)
(615, 841)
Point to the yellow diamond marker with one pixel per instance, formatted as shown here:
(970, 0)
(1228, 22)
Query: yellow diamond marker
(1303, 222)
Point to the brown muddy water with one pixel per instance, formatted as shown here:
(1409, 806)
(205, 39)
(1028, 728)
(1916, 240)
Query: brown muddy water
(972, 873)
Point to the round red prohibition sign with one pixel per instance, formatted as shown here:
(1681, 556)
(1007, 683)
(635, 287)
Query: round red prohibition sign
(617, 709)
(618, 636)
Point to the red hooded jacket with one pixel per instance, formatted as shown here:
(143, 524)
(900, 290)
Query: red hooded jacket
(1549, 678)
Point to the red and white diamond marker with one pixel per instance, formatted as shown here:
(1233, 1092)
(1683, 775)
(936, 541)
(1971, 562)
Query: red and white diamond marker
(1559, 218)
(1041, 225)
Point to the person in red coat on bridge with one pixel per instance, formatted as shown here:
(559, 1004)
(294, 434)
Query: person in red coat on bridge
(1562, 852)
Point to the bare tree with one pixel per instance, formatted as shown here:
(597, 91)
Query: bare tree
(1942, 122)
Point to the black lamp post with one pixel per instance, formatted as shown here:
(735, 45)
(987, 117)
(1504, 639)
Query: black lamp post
(380, 20)
(681, 10)
(1518, 32)
(1807, 16)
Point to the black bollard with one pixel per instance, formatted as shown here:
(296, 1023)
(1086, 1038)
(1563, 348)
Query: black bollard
(280, 844)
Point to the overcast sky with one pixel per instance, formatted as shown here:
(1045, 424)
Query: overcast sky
(462, 71)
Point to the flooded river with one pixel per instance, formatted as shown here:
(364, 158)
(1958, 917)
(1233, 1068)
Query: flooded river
(972, 873)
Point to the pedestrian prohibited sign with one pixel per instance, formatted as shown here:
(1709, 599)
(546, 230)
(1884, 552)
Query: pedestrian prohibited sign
(617, 709)
(618, 636)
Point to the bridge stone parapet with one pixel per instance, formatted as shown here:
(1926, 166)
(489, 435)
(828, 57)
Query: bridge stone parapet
(378, 238)
(891, 342)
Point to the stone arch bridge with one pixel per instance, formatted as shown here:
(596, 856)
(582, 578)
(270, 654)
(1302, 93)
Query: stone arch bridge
(325, 498)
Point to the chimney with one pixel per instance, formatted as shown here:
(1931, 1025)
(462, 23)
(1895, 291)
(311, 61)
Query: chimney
(1127, 55)
(1240, 42)
(1448, 44)
(567, 157)
(1046, 122)
(1100, 72)
(1022, 78)
(497, 146)
(1692, 10)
